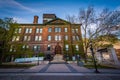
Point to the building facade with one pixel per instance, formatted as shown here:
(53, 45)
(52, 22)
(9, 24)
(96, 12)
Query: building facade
(54, 36)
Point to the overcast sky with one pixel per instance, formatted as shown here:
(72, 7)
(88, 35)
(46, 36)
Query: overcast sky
(24, 10)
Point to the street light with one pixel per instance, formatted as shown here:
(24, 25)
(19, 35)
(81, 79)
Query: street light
(91, 48)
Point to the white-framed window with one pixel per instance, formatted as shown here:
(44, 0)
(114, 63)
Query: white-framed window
(49, 38)
(39, 30)
(16, 38)
(28, 30)
(77, 38)
(38, 38)
(57, 37)
(66, 29)
(57, 29)
(76, 30)
(27, 38)
(36, 47)
(25, 47)
(73, 37)
(50, 29)
(66, 47)
(66, 37)
(77, 47)
(12, 48)
(48, 47)
(18, 30)
(73, 30)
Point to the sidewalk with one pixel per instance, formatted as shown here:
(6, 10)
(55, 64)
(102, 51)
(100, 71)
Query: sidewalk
(59, 72)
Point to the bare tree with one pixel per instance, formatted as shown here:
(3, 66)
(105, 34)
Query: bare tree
(87, 18)
(96, 26)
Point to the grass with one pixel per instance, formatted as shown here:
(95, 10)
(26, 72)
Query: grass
(99, 67)
(16, 65)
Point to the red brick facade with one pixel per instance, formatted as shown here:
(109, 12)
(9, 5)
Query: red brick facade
(57, 30)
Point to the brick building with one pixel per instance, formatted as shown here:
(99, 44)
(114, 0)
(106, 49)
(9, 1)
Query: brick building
(54, 36)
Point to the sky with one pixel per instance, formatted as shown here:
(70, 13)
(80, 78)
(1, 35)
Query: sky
(23, 11)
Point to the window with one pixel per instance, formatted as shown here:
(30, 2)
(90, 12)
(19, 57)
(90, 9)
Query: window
(66, 29)
(66, 37)
(27, 38)
(76, 30)
(25, 47)
(73, 31)
(38, 38)
(57, 38)
(66, 47)
(77, 47)
(18, 30)
(49, 29)
(38, 30)
(73, 37)
(16, 38)
(49, 38)
(28, 30)
(12, 48)
(36, 47)
(77, 38)
(48, 48)
(57, 29)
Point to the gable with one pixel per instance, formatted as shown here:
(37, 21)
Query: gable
(57, 21)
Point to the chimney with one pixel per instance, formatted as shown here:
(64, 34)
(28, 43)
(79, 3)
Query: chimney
(35, 20)
(48, 17)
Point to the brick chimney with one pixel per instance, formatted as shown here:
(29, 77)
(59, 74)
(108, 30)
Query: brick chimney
(35, 21)
(48, 17)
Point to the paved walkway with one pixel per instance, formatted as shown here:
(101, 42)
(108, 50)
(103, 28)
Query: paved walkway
(58, 72)
(58, 68)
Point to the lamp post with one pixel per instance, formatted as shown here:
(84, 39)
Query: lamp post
(91, 48)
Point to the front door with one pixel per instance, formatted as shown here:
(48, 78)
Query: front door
(57, 49)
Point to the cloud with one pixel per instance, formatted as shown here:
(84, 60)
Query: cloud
(12, 3)
(15, 4)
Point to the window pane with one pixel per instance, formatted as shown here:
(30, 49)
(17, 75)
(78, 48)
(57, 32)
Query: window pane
(30, 30)
(25, 38)
(77, 38)
(40, 38)
(73, 37)
(66, 47)
(48, 48)
(59, 29)
(26, 31)
(77, 48)
(59, 38)
(65, 29)
(29, 37)
(36, 38)
(49, 38)
(66, 37)
(49, 29)
(19, 31)
(55, 29)
(76, 30)
(40, 30)
(13, 39)
(17, 38)
(16, 30)
(37, 30)
(73, 31)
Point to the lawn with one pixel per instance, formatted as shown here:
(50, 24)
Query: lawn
(16, 65)
(99, 66)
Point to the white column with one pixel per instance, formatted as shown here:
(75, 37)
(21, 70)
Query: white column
(114, 56)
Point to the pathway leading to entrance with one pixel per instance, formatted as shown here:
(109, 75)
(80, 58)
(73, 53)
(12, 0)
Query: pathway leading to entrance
(57, 68)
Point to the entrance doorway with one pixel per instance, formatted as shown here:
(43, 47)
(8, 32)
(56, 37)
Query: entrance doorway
(57, 49)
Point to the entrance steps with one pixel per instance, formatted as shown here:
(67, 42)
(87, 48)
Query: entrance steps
(58, 59)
